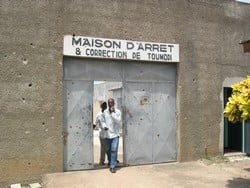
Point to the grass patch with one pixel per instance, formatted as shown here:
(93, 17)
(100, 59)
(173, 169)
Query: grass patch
(214, 160)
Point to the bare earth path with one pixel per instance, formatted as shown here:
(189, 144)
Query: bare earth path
(191, 174)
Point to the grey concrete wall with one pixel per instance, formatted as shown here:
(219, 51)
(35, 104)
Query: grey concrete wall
(210, 54)
(31, 38)
(31, 90)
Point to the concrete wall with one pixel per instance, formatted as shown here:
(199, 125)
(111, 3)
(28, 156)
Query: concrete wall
(210, 54)
(31, 38)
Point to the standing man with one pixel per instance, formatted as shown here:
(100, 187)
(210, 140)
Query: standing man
(112, 125)
(102, 133)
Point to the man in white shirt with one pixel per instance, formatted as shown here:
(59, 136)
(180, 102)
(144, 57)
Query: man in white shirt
(102, 133)
(112, 118)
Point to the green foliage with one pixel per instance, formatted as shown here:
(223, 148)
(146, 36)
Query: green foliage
(238, 106)
(208, 160)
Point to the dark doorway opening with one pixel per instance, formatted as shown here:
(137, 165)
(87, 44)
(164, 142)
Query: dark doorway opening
(103, 90)
(232, 131)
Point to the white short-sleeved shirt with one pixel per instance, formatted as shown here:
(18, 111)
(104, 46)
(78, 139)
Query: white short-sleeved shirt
(113, 122)
(98, 122)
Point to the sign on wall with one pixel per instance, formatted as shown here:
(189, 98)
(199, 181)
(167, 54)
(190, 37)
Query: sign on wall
(91, 47)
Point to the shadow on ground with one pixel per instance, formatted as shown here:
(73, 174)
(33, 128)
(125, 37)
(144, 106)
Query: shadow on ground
(247, 169)
(238, 183)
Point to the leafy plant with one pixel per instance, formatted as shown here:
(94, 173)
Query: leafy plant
(238, 105)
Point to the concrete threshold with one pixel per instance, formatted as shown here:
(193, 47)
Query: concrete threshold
(236, 156)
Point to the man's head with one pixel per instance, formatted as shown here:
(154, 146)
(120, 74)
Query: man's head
(111, 102)
(104, 106)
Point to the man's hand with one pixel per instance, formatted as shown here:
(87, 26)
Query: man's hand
(112, 109)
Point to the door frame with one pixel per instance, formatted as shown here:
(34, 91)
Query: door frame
(227, 124)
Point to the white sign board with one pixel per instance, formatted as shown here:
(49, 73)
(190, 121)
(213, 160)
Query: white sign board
(119, 49)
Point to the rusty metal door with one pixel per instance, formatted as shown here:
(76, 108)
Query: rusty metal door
(78, 131)
(149, 122)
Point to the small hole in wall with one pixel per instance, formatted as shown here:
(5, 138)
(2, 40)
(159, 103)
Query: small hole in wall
(25, 62)
(43, 123)
(31, 44)
(30, 85)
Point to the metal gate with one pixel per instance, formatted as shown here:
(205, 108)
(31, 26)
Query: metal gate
(138, 128)
(149, 123)
(164, 131)
(78, 130)
(148, 106)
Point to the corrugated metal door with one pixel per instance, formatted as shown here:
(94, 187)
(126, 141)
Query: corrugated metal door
(78, 130)
(149, 122)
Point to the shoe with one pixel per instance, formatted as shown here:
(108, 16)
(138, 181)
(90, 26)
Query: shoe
(112, 170)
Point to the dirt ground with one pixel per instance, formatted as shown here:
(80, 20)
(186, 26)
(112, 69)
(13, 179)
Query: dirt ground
(210, 172)
(191, 174)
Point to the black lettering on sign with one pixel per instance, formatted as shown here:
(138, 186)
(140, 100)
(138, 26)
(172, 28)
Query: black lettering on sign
(117, 44)
(140, 47)
(98, 43)
(156, 47)
(76, 42)
(170, 47)
(163, 48)
(107, 43)
(130, 45)
(159, 57)
(85, 42)
(136, 55)
(148, 47)
(87, 52)
(78, 51)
